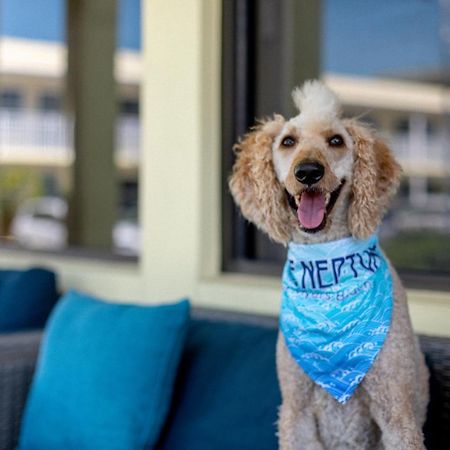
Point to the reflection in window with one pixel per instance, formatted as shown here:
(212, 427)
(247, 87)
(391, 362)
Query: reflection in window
(10, 99)
(129, 107)
(403, 54)
(36, 134)
(126, 233)
(49, 102)
(389, 62)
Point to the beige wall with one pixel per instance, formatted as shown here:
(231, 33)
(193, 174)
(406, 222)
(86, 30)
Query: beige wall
(180, 183)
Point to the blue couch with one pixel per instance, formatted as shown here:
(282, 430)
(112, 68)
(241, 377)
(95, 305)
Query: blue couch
(227, 396)
(226, 393)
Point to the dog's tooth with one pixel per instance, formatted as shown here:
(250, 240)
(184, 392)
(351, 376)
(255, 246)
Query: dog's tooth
(327, 198)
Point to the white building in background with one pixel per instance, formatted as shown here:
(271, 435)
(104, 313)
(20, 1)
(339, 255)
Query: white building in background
(411, 113)
(415, 117)
(34, 130)
(36, 133)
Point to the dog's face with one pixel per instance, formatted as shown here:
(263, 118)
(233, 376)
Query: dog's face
(315, 177)
(313, 161)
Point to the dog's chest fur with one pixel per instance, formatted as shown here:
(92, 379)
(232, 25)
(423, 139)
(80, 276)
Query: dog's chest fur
(339, 424)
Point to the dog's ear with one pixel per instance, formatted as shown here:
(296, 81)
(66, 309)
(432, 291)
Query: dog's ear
(376, 176)
(254, 185)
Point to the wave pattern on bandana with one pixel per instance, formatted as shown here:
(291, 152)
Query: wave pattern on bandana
(336, 310)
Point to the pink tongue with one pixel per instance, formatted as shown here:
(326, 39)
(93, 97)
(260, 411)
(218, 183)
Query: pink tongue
(311, 209)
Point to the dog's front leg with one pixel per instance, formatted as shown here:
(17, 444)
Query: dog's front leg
(297, 427)
(399, 430)
(297, 430)
(397, 384)
(391, 387)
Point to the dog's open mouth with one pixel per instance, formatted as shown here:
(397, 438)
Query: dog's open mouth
(312, 207)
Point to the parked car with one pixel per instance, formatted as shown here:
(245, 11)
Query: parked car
(41, 224)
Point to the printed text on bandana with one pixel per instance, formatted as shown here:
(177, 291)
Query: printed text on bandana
(324, 273)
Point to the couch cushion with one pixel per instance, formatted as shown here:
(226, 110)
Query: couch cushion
(226, 394)
(104, 376)
(26, 298)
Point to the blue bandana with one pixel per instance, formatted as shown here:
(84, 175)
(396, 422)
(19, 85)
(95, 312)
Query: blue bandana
(336, 310)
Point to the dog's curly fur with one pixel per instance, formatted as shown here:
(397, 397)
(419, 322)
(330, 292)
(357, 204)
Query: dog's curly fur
(388, 409)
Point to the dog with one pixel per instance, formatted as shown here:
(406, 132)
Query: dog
(319, 181)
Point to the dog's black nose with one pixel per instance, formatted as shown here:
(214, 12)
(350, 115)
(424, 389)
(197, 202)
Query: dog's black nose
(309, 173)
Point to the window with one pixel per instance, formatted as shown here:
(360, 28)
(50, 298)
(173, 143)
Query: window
(380, 49)
(49, 102)
(35, 151)
(126, 232)
(129, 107)
(10, 99)
(77, 147)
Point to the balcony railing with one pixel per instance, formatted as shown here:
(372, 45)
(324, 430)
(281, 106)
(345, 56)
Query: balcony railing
(429, 158)
(36, 137)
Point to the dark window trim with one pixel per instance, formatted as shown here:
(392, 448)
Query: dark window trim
(236, 94)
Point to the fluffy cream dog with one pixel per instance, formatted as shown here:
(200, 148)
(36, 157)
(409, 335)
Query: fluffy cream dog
(317, 178)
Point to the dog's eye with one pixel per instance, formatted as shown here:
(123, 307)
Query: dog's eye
(336, 141)
(288, 141)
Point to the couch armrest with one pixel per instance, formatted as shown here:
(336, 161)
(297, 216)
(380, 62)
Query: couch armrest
(18, 353)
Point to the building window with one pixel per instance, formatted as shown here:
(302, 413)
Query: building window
(129, 107)
(49, 102)
(392, 57)
(10, 99)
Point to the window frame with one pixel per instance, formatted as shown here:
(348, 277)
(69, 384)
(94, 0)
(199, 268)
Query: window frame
(238, 112)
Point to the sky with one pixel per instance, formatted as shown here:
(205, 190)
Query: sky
(364, 37)
(45, 20)
(375, 37)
